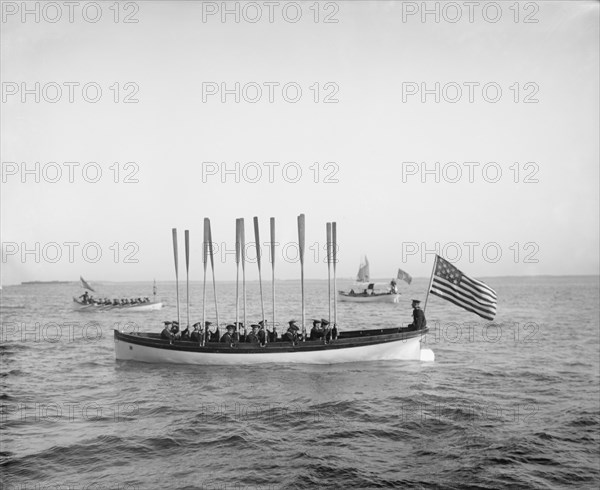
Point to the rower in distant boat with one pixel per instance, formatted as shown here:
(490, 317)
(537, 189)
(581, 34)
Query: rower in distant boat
(292, 332)
(228, 336)
(419, 320)
(261, 332)
(85, 297)
(252, 337)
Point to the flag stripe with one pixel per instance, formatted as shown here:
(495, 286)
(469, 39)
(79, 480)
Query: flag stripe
(484, 299)
(468, 308)
(456, 295)
(459, 292)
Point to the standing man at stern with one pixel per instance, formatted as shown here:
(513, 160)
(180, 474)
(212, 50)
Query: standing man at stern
(419, 320)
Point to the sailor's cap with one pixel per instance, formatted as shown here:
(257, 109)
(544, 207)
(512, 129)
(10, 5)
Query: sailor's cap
(232, 327)
(167, 323)
(316, 321)
(292, 322)
(196, 325)
(416, 301)
(324, 322)
(293, 326)
(254, 325)
(207, 323)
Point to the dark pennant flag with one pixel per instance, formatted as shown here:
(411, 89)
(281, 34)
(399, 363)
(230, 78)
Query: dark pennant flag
(472, 295)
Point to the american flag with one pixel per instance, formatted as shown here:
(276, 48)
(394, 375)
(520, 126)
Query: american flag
(472, 295)
(404, 276)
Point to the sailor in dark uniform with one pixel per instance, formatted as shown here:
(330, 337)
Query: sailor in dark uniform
(292, 332)
(419, 321)
(175, 330)
(241, 332)
(195, 335)
(252, 337)
(185, 334)
(326, 329)
(261, 334)
(166, 333)
(85, 297)
(228, 336)
(316, 332)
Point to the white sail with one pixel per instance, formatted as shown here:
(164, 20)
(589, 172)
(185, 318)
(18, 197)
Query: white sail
(363, 271)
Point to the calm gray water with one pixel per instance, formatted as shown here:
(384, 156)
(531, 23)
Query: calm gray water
(515, 403)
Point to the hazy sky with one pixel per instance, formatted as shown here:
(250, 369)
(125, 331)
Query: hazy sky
(378, 137)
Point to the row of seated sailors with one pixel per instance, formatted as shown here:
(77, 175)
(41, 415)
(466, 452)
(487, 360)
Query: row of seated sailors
(115, 302)
(320, 329)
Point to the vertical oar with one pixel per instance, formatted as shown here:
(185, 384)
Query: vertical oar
(329, 270)
(273, 269)
(237, 277)
(204, 261)
(301, 240)
(187, 275)
(262, 304)
(334, 253)
(212, 266)
(175, 256)
(243, 257)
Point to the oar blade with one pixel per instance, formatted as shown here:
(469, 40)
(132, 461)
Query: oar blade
(301, 237)
(175, 254)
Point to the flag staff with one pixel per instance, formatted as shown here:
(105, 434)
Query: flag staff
(430, 282)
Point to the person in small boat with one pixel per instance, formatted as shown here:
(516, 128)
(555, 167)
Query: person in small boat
(195, 336)
(228, 336)
(175, 330)
(352, 293)
(252, 337)
(393, 287)
(326, 329)
(291, 334)
(316, 332)
(85, 297)
(185, 334)
(146, 299)
(419, 320)
(261, 332)
(240, 332)
(166, 333)
(116, 302)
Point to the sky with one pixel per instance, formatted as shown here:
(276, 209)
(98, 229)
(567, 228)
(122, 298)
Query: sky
(363, 143)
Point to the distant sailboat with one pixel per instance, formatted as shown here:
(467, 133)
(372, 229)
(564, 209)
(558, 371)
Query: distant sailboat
(365, 291)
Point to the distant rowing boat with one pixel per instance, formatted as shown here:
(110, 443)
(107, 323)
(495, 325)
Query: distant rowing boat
(88, 303)
(148, 306)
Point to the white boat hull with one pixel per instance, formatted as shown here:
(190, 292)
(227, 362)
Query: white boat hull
(135, 307)
(401, 349)
(373, 298)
